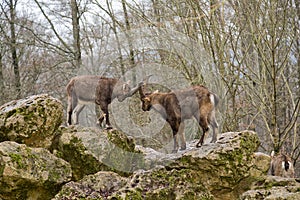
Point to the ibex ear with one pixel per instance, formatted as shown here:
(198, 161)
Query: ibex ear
(125, 86)
(272, 154)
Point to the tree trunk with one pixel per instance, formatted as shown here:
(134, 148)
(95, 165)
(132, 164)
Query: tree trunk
(1, 80)
(129, 40)
(13, 47)
(76, 33)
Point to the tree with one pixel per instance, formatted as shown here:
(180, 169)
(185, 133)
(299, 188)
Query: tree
(8, 8)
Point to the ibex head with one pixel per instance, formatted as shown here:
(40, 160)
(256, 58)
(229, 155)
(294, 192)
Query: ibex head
(282, 165)
(146, 99)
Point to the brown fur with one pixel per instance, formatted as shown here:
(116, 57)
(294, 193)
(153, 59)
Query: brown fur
(87, 89)
(282, 165)
(177, 106)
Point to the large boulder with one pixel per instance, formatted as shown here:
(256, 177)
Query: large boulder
(95, 186)
(31, 121)
(274, 188)
(222, 170)
(30, 173)
(90, 150)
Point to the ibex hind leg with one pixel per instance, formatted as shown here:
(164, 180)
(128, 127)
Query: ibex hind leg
(76, 112)
(175, 127)
(215, 127)
(182, 137)
(204, 124)
(72, 103)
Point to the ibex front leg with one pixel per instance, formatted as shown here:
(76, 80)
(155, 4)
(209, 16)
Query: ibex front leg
(104, 108)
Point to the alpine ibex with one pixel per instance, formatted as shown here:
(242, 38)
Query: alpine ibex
(89, 89)
(282, 165)
(177, 106)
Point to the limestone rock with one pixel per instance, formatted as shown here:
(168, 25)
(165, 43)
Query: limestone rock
(31, 121)
(96, 186)
(274, 188)
(90, 150)
(215, 171)
(30, 173)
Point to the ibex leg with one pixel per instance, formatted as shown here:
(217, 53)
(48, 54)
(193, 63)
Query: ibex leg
(76, 112)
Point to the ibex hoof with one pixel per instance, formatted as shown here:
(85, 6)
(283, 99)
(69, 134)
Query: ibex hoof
(174, 151)
(183, 148)
(108, 128)
(198, 145)
(213, 140)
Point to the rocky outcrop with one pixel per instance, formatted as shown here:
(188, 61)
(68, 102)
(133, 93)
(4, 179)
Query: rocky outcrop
(222, 170)
(89, 163)
(96, 186)
(31, 121)
(215, 171)
(274, 188)
(90, 150)
(30, 173)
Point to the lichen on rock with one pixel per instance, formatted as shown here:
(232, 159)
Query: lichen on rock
(90, 150)
(274, 188)
(214, 171)
(27, 172)
(95, 186)
(31, 121)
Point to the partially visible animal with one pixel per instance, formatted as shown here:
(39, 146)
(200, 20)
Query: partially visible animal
(90, 89)
(282, 165)
(177, 106)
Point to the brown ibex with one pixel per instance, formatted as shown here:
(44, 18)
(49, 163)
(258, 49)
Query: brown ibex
(282, 165)
(89, 89)
(177, 106)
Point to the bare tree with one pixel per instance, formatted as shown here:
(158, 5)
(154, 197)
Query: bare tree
(8, 8)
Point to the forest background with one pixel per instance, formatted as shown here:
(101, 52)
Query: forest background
(246, 51)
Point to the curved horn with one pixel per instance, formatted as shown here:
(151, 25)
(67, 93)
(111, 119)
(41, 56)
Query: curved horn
(142, 95)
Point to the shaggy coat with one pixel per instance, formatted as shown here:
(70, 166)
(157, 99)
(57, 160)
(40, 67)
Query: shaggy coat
(177, 106)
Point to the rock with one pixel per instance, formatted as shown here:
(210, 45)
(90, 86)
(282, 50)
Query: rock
(30, 173)
(31, 121)
(274, 188)
(215, 171)
(90, 150)
(164, 184)
(261, 165)
(96, 186)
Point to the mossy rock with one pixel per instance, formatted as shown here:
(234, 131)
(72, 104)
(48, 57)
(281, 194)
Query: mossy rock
(96, 186)
(31, 121)
(90, 150)
(163, 184)
(30, 173)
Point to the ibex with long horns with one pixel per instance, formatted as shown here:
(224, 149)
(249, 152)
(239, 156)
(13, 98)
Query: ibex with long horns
(177, 106)
(89, 89)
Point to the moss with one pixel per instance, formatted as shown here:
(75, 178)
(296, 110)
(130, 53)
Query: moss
(81, 163)
(18, 159)
(121, 140)
(136, 195)
(162, 194)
